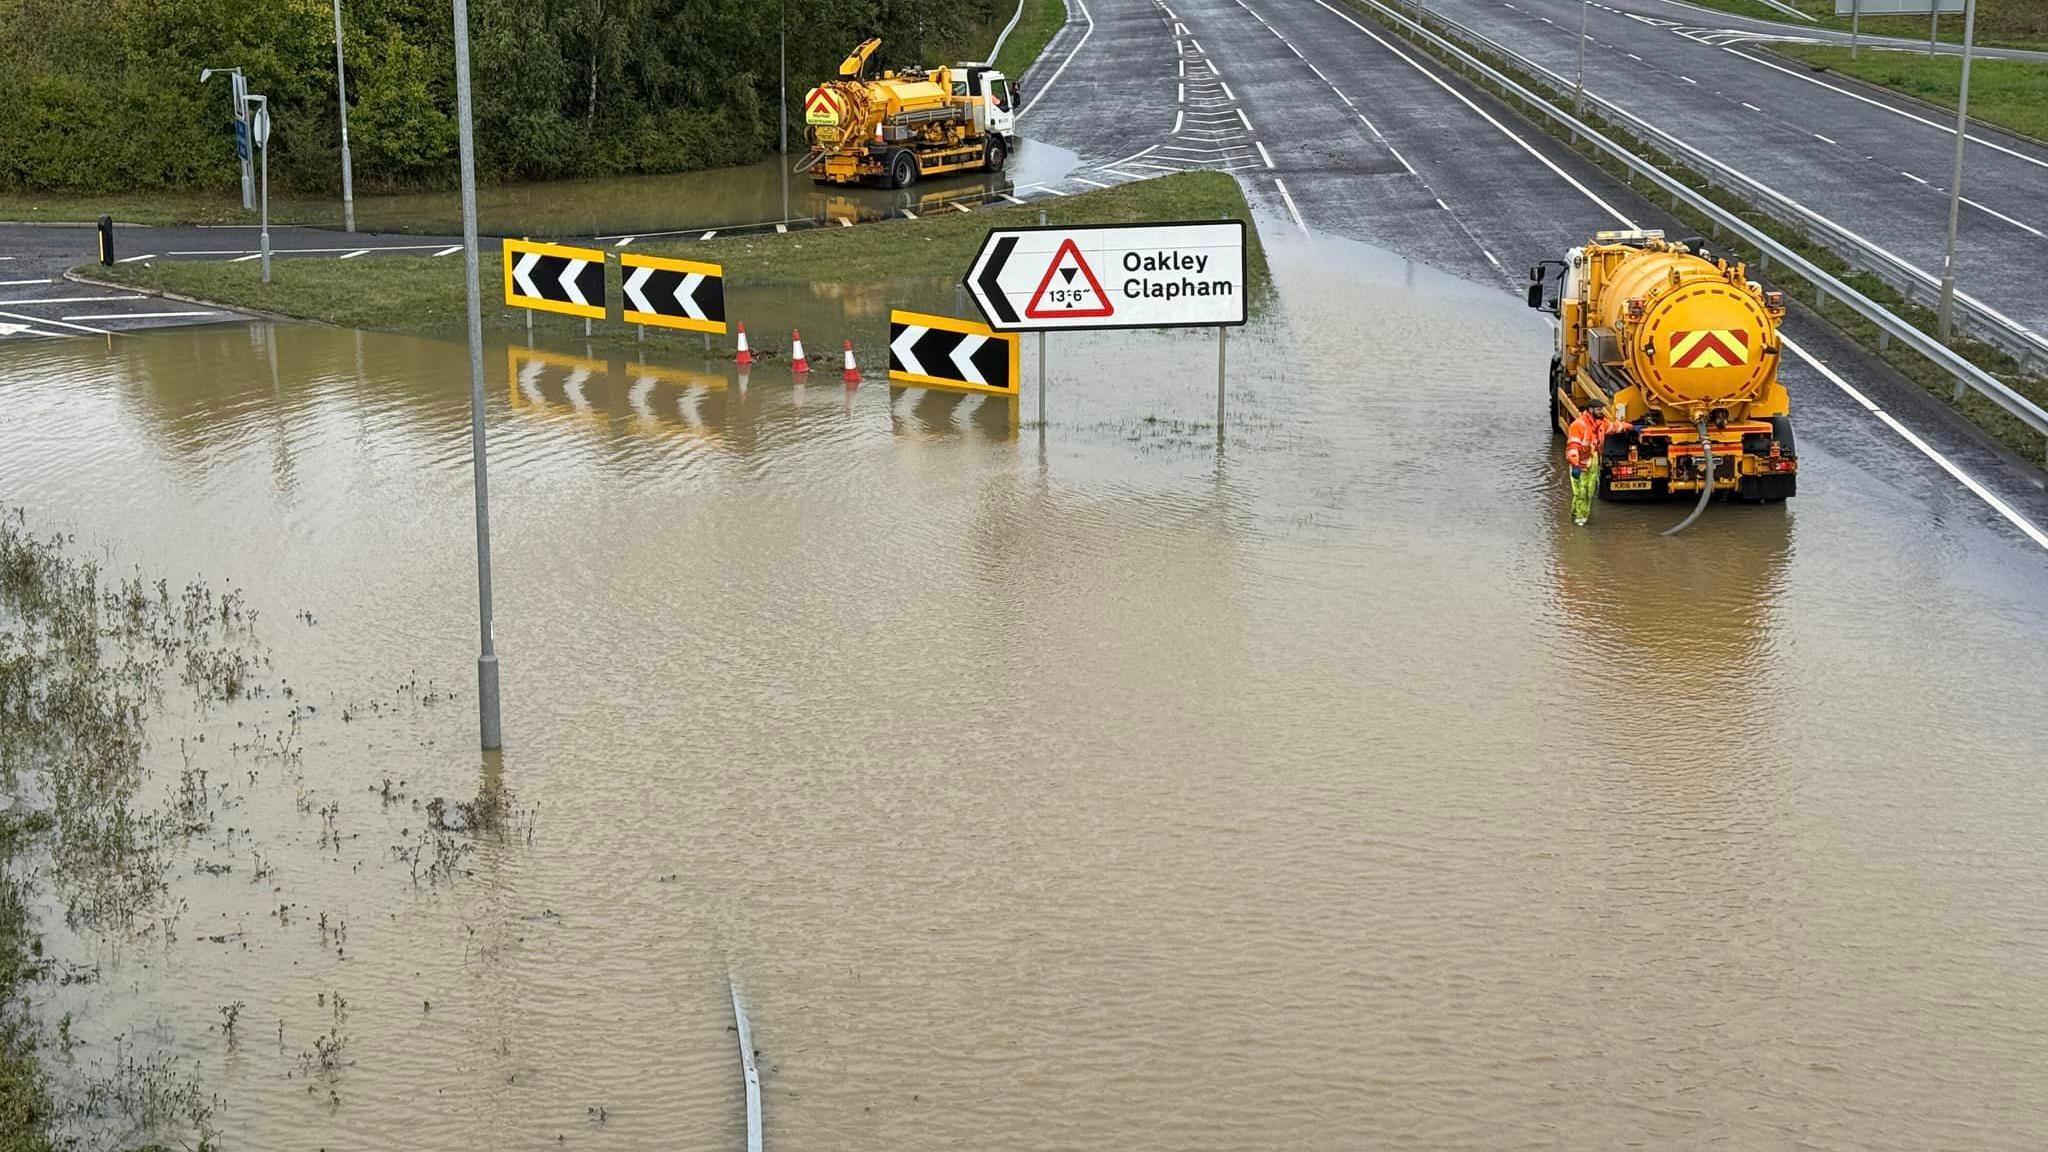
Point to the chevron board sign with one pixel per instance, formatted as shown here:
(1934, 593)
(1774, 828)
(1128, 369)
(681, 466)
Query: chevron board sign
(551, 278)
(941, 352)
(673, 293)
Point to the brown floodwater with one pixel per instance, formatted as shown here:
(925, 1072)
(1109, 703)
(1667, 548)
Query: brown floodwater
(1089, 785)
(686, 201)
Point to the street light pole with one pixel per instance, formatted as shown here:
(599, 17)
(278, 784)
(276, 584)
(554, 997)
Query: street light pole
(487, 657)
(1955, 192)
(348, 188)
(782, 49)
(259, 137)
(1579, 98)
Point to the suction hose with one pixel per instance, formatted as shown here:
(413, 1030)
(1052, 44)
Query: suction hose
(1706, 486)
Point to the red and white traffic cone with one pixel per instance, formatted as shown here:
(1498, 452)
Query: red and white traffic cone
(852, 369)
(745, 359)
(797, 363)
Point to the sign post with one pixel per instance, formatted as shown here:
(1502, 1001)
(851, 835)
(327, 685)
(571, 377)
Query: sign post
(259, 132)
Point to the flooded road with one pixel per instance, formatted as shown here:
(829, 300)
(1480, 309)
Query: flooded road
(712, 198)
(1104, 787)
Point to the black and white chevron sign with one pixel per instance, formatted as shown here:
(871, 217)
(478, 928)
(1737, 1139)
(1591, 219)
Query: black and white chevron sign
(673, 293)
(942, 352)
(552, 278)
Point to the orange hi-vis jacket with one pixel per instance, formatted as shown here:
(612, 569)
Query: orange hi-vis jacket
(1582, 440)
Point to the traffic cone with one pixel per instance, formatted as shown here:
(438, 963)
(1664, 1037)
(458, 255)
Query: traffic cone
(797, 363)
(745, 358)
(852, 369)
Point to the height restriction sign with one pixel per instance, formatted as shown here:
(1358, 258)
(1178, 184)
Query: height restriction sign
(1111, 276)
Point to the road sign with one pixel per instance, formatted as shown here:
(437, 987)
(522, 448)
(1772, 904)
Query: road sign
(552, 278)
(1111, 276)
(261, 128)
(673, 293)
(941, 352)
(241, 139)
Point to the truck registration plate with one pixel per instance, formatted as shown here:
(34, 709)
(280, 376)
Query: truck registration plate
(1629, 485)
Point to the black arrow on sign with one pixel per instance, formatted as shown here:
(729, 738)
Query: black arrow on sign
(990, 289)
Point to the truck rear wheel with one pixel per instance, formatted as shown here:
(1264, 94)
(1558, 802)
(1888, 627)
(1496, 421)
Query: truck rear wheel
(903, 170)
(998, 155)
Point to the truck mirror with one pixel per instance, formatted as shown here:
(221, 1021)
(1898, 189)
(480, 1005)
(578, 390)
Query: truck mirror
(1536, 295)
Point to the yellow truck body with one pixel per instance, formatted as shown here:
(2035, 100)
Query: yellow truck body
(900, 126)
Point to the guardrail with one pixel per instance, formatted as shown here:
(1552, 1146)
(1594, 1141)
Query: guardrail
(1924, 288)
(1889, 325)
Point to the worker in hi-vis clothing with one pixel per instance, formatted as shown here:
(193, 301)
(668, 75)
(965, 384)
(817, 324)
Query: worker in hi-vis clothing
(1582, 452)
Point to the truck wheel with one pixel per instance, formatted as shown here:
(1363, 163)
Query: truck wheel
(903, 170)
(1556, 414)
(998, 155)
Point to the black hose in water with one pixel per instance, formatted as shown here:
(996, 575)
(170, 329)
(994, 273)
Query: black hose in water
(1706, 488)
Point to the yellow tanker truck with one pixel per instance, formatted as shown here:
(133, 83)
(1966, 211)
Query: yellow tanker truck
(1683, 346)
(893, 129)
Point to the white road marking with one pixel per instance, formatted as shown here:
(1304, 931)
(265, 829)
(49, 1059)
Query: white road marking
(1482, 114)
(1403, 159)
(450, 250)
(1491, 259)
(59, 323)
(1440, 203)
(1822, 139)
(1984, 494)
(1634, 57)
(250, 256)
(1178, 116)
(19, 283)
(24, 329)
(1296, 212)
(1228, 94)
(908, 214)
(1182, 98)
(1090, 183)
(2021, 225)
(708, 235)
(135, 259)
(625, 240)
(2038, 163)
(1913, 178)
(1688, 79)
(354, 254)
(1055, 77)
(1244, 119)
(1748, 105)
(847, 221)
(70, 300)
(1010, 198)
(959, 207)
(781, 228)
(1265, 155)
(140, 315)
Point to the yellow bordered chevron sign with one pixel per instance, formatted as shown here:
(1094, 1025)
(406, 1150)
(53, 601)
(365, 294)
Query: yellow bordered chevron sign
(942, 352)
(673, 293)
(552, 278)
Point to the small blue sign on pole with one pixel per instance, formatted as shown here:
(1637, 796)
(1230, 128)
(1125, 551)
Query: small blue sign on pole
(242, 139)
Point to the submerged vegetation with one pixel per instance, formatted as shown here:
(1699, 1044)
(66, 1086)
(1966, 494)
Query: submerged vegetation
(98, 812)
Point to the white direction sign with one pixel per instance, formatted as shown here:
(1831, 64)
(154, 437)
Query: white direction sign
(1111, 276)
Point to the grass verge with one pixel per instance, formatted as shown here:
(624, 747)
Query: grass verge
(2012, 94)
(158, 208)
(2007, 429)
(424, 294)
(1041, 19)
(2000, 23)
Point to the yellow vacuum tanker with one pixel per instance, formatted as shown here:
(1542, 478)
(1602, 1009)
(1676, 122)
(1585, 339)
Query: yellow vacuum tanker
(1681, 345)
(903, 125)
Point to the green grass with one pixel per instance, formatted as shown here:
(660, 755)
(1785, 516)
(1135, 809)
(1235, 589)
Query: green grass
(424, 294)
(2013, 94)
(2002, 23)
(1042, 18)
(159, 208)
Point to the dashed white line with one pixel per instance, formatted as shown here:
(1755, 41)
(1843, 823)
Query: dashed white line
(708, 235)
(1403, 159)
(1263, 154)
(1010, 198)
(1748, 105)
(19, 283)
(1244, 119)
(1822, 139)
(58, 323)
(1090, 183)
(354, 254)
(1913, 178)
(1292, 210)
(1634, 57)
(136, 259)
(1228, 94)
(1491, 259)
(71, 300)
(1182, 97)
(141, 315)
(250, 256)
(1440, 203)
(1688, 79)
(2020, 224)
(1178, 117)
(908, 214)
(625, 240)
(451, 250)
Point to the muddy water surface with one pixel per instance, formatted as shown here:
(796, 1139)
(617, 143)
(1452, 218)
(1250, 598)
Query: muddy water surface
(1086, 786)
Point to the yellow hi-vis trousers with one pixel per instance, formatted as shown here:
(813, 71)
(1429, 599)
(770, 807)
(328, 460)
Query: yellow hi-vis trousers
(1583, 486)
